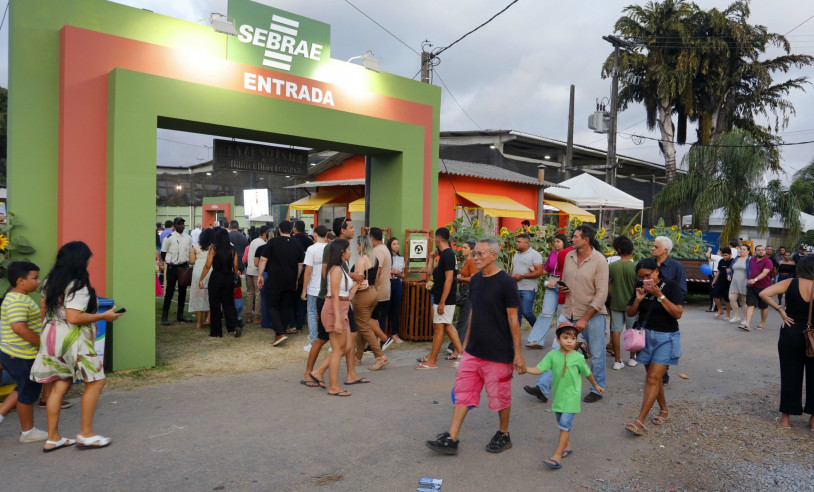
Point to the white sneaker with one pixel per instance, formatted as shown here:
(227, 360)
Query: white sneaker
(734, 320)
(307, 348)
(618, 365)
(632, 363)
(34, 435)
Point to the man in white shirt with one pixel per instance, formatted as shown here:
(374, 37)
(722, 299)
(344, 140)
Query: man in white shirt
(252, 291)
(196, 234)
(527, 266)
(312, 279)
(175, 255)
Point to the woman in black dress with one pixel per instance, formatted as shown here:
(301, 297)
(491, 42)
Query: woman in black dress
(791, 346)
(785, 270)
(223, 262)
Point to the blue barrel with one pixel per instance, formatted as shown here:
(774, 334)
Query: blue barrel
(103, 332)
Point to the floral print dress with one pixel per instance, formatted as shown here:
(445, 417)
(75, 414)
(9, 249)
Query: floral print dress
(66, 350)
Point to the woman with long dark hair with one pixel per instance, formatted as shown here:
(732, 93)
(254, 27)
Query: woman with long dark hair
(69, 332)
(222, 260)
(659, 304)
(396, 287)
(340, 290)
(199, 296)
(795, 364)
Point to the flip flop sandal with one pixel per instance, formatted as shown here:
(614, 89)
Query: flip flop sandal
(453, 357)
(341, 393)
(62, 443)
(318, 381)
(760, 327)
(717, 315)
(423, 359)
(777, 421)
(634, 429)
(359, 381)
(310, 384)
(380, 363)
(553, 464)
(95, 442)
(425, 366)
(744, 327)
(567, 453)
(659, 419)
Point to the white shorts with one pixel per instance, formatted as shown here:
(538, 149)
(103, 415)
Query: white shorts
(443, 319)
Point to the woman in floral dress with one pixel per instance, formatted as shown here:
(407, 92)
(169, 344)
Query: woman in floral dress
(69, 331)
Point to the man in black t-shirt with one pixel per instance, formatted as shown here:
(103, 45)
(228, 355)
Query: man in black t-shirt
(282, 257)
(492, 353)
(443, 301)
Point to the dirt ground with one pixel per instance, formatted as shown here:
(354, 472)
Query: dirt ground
(245, 423)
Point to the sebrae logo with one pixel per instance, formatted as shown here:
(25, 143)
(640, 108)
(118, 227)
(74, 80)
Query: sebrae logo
(276, 39)
(280, 42)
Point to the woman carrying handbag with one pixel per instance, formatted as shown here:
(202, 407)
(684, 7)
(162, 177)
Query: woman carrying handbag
(795, 345)
(661, 303)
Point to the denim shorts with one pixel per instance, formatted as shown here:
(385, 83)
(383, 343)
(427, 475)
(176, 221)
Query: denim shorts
(565, 420)
(660, 348)
(28, 391)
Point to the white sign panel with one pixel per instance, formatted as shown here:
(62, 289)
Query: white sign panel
(255, 203)
(418, 249)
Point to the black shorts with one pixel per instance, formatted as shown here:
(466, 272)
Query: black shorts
(28, 391)
(720, 290)
(753, 298)
(321, 333)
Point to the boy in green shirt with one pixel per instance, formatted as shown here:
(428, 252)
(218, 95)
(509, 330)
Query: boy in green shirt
(566, 367)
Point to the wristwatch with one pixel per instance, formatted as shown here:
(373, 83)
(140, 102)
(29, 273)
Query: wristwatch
(660, 298)
(522, 275)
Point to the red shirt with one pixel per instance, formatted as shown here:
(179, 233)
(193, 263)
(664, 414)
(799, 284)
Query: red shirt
(560, 262)
(756, 267)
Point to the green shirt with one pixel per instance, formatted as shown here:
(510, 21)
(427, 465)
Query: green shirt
(565, 389)
(19, 308)
(622, 280)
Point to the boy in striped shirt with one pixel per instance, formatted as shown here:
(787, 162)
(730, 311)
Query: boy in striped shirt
(20, 328)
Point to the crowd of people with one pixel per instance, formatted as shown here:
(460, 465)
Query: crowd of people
(293, 278)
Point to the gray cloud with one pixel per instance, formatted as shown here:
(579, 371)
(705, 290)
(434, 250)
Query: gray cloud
(513, 73)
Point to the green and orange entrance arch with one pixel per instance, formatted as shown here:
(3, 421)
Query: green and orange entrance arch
(91, 81)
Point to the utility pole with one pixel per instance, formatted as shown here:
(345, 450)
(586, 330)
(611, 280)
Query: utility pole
(610, 173)
(427, 57)
(569, 148)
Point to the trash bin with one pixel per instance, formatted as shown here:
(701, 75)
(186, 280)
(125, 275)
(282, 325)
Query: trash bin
(104, 335)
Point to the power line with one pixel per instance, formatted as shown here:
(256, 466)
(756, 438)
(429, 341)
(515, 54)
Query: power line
(384, 28)
(473, 30)
(623, 129)
(4, 16)
(435, 72)
(784, 144)
(182, 143)
(798, 25)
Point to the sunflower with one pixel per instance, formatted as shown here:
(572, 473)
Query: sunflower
(577, 221)
(3, 242)
(637, 228)
(679, 237)
(696, 248)
(504, 231)
(600, 233)
(475, 223)
(674, 228)
(654, 232)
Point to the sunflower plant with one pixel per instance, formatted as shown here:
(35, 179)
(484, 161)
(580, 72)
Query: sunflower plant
(13, 247)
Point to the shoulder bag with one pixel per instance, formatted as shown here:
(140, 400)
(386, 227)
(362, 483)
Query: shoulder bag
(808, 333)
(185, 276)
(634, 338)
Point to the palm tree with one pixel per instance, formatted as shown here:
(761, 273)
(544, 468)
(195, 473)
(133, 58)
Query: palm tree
(729, 174)
(733, 85)
(656, 72)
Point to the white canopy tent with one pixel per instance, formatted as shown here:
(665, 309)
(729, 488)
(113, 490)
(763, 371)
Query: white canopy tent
(593, 194)
(749, 219)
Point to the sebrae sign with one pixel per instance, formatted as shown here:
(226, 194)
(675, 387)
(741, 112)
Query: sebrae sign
(276, 39)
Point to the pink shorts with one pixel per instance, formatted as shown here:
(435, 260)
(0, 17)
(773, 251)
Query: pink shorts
(329, 317)
(474, 374)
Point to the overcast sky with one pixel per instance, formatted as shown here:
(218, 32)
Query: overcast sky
(512, 74)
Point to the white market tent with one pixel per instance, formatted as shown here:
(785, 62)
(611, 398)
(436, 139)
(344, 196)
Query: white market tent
(593, 194)
(749, 219)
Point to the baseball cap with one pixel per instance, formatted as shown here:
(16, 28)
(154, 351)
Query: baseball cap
(178, 220)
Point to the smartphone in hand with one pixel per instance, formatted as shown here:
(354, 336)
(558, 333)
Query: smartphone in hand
(120, 311)
(648, 284)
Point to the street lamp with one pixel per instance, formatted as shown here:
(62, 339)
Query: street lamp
(368, 61)
(223, 24)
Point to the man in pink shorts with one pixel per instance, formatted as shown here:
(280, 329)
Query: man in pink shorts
(492, 351)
